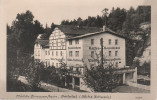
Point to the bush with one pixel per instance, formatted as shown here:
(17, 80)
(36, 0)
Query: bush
(51, 76)
(101, 79)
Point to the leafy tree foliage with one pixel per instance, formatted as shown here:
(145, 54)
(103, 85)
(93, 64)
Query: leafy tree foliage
(9, 31)
(25, 30)
(34, 72)
(135, 17)
(102, 79)
(120, 20)
(48, 31)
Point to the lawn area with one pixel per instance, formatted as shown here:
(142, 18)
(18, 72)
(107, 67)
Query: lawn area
(129, 89)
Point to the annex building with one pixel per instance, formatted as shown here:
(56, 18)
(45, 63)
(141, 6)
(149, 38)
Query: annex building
(79, 46)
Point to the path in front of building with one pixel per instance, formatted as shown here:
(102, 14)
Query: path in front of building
(53, 88)
(129, 89)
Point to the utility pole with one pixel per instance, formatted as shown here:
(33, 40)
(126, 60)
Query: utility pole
(104, 11)
(101, 43)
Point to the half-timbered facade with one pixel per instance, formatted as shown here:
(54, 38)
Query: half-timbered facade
(57, 46)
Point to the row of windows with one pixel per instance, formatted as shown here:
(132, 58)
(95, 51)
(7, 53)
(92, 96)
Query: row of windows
(116, 53)
(115, 64)
(60, 40)
(76, 53)
(61, 53)
(57, 47)
(57, 64)
(76, 42)
(109, 41)
(57, 53)
(92, 42)
(109, 53)
(48, 64)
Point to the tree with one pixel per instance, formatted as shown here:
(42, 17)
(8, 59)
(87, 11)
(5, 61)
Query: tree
(101, 79)
(135, 17)
(48, 31)
(34, 71)
(9, 30)
(26, 31)
(52, 27)
(79, 22)
(38, 28)
(116, 19)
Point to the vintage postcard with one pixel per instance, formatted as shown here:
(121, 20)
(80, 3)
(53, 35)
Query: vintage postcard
(78, 49)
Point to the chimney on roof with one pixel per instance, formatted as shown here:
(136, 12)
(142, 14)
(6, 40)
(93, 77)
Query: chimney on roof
(104, 28)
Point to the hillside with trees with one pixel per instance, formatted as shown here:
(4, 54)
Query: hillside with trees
(119, 20)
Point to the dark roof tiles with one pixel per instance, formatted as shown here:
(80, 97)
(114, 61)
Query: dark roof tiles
(74, 30)
(42, 42)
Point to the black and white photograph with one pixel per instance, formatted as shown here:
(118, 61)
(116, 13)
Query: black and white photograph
(78, 46)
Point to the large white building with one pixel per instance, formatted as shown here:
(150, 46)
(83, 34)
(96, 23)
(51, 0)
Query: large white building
(80, 46)
(85, 49)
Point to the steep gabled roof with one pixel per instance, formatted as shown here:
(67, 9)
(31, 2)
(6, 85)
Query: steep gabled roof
(74, 30)
(107, 30)
(42, 42)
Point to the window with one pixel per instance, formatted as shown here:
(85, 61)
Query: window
(52, 53)
(109, 53)
(92, 41)
(70, 42)
(92, 54)
(77, 69)
(116, 42)
(52, 63)
(109, 41)
(56, 53)
(38, 53)
(46, 52)
(61, 53)
(77, 41)
(56, 42)
(116, 53)
(77, 53)
(70, 53)
(116, 64)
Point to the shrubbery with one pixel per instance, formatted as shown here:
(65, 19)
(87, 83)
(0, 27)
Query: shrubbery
(51, 76)
(102, 79)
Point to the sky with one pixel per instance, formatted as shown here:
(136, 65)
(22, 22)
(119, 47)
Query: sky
(48, 11)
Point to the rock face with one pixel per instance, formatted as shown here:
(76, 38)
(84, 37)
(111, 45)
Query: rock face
(144, 49)
(146, 57)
